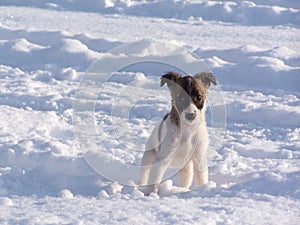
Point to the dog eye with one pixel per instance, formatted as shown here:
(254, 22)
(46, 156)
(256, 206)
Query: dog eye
(199, 98)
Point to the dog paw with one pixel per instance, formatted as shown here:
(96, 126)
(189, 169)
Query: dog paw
(165, 188)
(208, 187)
(154, 195)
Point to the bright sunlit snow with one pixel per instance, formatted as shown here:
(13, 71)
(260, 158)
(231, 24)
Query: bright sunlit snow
(252, 47)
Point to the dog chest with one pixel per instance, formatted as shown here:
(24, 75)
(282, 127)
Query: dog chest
(179, 146)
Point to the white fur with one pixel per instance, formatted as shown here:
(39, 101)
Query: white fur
(184, 147)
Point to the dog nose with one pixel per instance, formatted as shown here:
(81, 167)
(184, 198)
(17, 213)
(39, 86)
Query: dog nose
(190, 116)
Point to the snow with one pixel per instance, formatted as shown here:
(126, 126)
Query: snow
(246, 12)
(46, 177)
(66, 194)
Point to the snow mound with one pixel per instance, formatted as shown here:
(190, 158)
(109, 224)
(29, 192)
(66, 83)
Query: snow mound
(103, 194)
(66, 194)
(252, 67)
(32, 50)
(244, 12)
(4, 201)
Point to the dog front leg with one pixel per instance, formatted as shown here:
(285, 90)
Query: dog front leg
(186, 175)
(146, 167)
(159, 167)
(201, 177)
(200, 166)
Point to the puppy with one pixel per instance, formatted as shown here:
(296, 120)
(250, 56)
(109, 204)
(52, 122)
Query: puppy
(181, 139)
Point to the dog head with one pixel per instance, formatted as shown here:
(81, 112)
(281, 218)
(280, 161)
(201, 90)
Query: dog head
(188, 94)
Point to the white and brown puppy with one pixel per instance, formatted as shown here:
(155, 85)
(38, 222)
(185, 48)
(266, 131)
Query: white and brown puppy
(181, 139)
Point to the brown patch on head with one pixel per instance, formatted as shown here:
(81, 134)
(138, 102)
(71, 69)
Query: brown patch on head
(170, 78)
(206, 79)
(184, 91)
(190, 90)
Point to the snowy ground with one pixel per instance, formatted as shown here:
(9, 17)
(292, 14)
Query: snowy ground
(45, 48)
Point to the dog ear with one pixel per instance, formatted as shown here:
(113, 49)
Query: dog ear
(169, 78)
(206, 79)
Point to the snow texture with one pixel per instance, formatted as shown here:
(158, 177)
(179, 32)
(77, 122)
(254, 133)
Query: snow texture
(45, 48)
